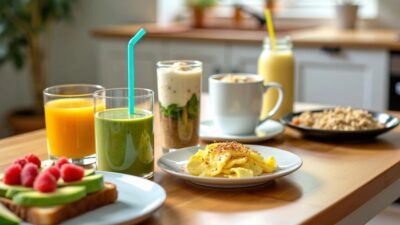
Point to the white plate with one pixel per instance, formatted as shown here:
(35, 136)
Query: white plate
(210, 132)
(175, 163)
(138, 198)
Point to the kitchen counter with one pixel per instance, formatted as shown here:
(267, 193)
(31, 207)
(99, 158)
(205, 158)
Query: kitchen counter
(181, 32)
(329, 37)
(310, 37)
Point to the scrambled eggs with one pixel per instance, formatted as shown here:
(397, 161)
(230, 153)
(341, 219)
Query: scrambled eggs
(230, 160)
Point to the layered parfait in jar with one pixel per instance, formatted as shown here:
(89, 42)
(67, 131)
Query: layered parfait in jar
(179, 89)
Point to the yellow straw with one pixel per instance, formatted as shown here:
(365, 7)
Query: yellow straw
(270, 27)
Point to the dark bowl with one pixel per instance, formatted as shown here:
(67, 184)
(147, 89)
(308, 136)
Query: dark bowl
(388, 120)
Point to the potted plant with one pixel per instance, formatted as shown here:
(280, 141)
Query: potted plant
(23, 25)
(198, 8)
(346, 14)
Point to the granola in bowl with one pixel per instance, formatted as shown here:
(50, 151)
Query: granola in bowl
(339, 118)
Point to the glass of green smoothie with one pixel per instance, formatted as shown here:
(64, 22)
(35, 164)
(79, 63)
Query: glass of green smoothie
(124, 142)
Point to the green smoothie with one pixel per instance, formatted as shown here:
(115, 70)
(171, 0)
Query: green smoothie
(125, 143)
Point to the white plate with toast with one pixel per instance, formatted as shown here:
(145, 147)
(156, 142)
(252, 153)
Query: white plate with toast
(138, 198)
(174, 163)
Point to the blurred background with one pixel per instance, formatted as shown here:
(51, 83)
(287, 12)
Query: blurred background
(84, 41)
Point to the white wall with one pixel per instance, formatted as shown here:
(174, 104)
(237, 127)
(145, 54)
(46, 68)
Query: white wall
(388, 13)
(72, 53)
(169, 11)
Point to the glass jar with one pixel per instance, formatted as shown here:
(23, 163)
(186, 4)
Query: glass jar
(277, 65)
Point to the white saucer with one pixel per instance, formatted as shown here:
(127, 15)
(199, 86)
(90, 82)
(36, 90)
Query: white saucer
(210, 132)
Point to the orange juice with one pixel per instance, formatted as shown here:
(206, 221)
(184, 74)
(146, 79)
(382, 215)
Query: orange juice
(278, 66)
(70, 127)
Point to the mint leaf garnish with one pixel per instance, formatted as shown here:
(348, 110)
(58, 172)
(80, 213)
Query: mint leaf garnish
(174, 111)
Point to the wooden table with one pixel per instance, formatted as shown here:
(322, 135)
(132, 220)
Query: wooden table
(338, 183)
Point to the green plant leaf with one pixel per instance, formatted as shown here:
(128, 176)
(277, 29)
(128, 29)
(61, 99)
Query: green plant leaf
(16, 25)
(175, 111)
(18, 60)
(3, 52)
(193, 107)
(172, 110)
(201, 3)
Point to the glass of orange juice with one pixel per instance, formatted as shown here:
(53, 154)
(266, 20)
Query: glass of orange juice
(69, 116)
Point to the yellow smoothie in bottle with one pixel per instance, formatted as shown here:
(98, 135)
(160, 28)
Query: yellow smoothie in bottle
(277, 66)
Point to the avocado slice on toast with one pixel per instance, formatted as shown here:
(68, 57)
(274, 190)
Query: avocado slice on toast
(61, 196)
(7, 217)
(92, 183)
(9, 191)
(88, 172)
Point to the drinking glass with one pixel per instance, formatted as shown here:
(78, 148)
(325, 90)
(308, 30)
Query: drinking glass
(124, 142)
(69, 117)
(179, 89)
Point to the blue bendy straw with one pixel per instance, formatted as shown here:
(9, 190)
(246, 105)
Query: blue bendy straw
(131, 70)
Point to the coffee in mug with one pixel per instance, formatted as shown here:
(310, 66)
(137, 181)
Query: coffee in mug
(236, 101)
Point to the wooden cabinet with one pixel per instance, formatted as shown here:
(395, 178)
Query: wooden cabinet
(347, 77)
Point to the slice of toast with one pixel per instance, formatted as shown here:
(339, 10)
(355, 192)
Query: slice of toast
(57, 214)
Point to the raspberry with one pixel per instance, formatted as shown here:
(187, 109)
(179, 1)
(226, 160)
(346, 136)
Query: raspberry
(29, 174)
(71, 172)
(33, 159)
(61, 161)
(53, 170)
(12, 175)
(21, 161)
(45, 182)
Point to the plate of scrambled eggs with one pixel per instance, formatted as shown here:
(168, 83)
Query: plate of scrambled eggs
(229, 164)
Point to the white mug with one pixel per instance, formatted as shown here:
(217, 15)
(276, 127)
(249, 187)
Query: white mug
(236, 107)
